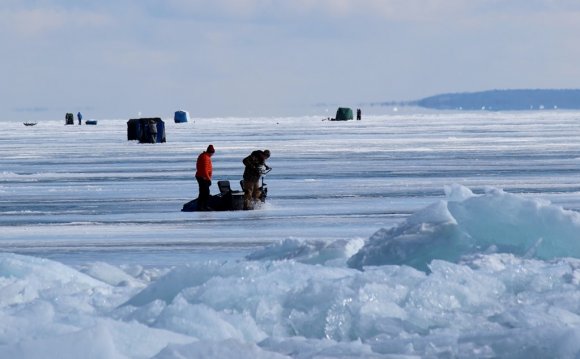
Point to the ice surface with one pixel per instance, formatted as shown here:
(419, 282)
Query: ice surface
(464, 225)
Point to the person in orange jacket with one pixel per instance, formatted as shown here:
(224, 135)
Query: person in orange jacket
(203, 176)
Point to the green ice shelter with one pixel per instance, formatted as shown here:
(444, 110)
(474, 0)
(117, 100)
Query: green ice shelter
(343, 114)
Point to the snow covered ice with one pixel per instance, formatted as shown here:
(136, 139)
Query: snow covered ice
(400, 236)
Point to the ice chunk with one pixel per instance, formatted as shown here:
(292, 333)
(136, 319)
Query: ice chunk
(110, 274)
(466, 224)
(308, 251)
(229, 348)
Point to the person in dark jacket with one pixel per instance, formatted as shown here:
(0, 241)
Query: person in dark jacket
(80, 117)
(203, 174)
(254, 163)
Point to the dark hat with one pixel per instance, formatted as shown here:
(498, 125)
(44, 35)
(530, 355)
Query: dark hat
(267, 153)
(210, 149)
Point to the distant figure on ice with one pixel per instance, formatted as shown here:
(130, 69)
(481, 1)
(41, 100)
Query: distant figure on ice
(80, 117)
(358, 114)
(254, 163)
(153, 131)
(203, 177)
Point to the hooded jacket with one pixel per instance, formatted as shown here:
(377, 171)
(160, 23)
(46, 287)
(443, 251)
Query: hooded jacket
(253, 162)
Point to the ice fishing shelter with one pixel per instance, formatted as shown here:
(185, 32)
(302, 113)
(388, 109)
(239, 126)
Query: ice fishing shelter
(69, 119)
(181, 116)
(143, 130)
(344, 114)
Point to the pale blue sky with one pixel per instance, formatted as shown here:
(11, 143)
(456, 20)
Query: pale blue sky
(115, 58)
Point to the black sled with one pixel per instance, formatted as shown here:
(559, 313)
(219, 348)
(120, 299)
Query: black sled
(227, 199)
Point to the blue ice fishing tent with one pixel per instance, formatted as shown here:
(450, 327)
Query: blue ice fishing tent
(181, 116)
(140, 129)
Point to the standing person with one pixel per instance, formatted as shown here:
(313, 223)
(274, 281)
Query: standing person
(252, 174)
(203, 175)
(358, 114)
(153, 131)
(80, 117)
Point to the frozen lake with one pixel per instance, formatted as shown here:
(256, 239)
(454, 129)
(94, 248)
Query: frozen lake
(77, 193)
(274, 282)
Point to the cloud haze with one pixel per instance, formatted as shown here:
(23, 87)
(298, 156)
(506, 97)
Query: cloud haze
(273, 57)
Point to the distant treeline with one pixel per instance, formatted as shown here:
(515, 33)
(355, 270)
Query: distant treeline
(500, 100)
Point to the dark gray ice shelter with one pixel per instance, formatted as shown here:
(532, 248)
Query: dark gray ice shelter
(146, 130)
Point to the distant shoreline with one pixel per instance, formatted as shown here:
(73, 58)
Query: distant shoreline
(499, 100)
